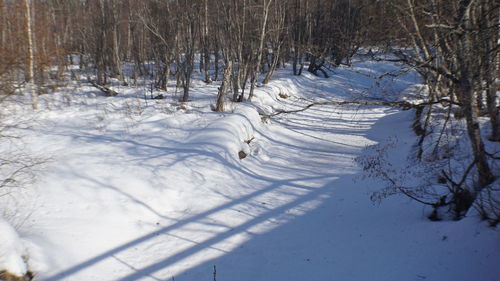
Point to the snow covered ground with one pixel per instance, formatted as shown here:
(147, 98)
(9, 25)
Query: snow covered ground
(155, 190)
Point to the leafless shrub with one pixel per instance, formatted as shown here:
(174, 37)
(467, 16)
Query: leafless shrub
(399, 179)
(17, 171)
(443, 182)
(18, 166)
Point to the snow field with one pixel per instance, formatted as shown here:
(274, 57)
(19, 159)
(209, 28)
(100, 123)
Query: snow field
(152, 190)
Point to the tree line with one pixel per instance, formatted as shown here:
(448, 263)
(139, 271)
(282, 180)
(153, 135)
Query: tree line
(162, 37)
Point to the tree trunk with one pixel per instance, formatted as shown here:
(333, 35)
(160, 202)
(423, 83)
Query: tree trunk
(166, 74)
(31, 57)
(236, 83)
(216, 63)
(116, 55)
(493, 112)
(466, 95)
(469, 102)
(206, 52)
(274, 63)
(221, 97)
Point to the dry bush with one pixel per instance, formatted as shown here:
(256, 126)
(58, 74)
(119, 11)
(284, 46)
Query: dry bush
(7, 276)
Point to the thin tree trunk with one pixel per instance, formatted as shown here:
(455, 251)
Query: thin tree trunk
(493, 113)
(206, 52)
(274, 63)
(115, 44)
(216, 63)
(221, 97)
(31, 57)
(484, 174)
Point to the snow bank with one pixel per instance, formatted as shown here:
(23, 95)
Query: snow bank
(11, 250)
(229, 134)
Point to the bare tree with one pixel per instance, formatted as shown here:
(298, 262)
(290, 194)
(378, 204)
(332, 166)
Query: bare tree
(187, 43)
(276, 38)
(205, 42)
(266, 4)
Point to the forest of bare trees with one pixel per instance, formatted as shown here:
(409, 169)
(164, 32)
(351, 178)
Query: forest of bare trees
(453, 45)
(162, 38)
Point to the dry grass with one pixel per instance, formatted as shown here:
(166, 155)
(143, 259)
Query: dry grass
(7, 276)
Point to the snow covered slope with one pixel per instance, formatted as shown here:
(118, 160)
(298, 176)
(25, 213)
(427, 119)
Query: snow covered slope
(138, 190)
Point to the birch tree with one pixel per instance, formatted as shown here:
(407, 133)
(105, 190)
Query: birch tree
(30, 72)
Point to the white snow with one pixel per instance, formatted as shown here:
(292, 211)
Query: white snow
(152, 190)
(11, 249)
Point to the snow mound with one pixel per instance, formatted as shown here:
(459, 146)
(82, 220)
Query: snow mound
(11, 250)
(229, 134)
